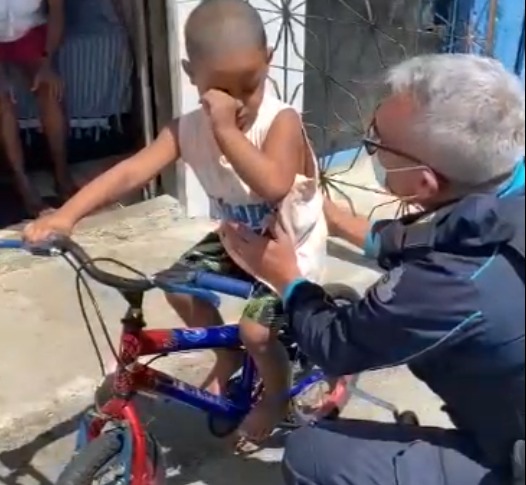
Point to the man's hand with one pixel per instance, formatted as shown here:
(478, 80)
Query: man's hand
(272, 260)
(44, 228)
(47, 78)
(223, 110)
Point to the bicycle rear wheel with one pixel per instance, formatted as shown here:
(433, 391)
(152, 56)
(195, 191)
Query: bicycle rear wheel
(102, 462)
(328, 397)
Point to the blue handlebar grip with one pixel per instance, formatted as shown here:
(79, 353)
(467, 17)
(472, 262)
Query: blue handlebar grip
(11, 244)
(224, 285)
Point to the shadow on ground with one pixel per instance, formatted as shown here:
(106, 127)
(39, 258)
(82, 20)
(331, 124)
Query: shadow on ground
(18, 463)
(192, 455)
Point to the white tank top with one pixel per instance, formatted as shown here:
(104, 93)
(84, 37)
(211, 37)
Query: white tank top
(301, 212)
(18, 17)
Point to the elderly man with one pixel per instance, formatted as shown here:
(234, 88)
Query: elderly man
(449, 139)
(30, 35)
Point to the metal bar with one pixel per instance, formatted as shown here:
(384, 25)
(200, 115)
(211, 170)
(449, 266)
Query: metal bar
(492, 27)
(519, 63)
(143, 71)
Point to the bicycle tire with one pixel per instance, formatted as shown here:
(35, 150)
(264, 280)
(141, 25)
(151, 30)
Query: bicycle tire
(91, 460)
(84, 467)
(341, 294)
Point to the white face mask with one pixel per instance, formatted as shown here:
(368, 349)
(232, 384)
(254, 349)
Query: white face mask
(407, 203)
(380, 172)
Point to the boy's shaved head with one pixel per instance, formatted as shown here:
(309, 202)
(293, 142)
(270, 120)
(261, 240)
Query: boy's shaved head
(216, 27)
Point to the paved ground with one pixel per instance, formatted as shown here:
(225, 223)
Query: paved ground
(48, 370)
(192, 455)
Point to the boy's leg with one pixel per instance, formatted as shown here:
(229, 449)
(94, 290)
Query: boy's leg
(207, 255)
(198, 314)
(12, 146)
(261, 322)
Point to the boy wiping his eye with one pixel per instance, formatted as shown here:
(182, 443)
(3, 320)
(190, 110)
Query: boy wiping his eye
(250, 153)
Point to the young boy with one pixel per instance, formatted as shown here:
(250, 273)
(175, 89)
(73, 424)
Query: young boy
(251, 155)
(31, 33)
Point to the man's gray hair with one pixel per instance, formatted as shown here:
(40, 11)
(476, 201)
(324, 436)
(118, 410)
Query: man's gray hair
(472, 114)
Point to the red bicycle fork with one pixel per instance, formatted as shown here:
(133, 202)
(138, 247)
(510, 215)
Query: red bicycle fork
(130, 376)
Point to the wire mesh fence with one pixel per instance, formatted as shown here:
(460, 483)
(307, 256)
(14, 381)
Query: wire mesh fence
(331, 57)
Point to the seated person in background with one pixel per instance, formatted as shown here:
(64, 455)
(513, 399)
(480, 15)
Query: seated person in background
(250, 153)
(29, 41)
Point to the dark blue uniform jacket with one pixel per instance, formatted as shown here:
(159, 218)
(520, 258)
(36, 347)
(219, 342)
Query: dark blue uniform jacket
(451, 306)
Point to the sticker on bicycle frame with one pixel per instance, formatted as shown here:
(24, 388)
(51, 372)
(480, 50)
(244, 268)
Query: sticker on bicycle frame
(196, 335)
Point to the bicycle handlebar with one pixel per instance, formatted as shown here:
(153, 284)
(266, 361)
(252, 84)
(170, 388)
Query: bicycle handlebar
(223, 284)
(65, 245)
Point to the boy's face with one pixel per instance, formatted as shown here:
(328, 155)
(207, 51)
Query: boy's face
(241, 74)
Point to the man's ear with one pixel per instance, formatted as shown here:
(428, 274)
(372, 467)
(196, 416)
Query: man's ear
(429, 186)
(187, 67)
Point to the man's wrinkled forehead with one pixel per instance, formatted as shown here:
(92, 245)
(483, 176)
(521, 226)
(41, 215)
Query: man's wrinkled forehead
(393, 120)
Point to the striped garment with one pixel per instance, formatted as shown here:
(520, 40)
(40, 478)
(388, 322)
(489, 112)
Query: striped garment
(97, 67)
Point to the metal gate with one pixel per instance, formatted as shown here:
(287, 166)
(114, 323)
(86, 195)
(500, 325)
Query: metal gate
(330, 56)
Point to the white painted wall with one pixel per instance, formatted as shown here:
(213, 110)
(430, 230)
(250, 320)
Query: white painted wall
(287, 84)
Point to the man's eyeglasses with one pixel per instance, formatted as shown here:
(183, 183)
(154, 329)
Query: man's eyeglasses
(373, 143)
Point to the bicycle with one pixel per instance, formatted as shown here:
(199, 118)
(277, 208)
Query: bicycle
(112, 440)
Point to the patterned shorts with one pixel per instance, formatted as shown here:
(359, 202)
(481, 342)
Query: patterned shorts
(264, 306)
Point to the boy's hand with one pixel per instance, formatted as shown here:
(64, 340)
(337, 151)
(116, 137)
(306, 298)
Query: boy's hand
(44, 228)
(222, 109)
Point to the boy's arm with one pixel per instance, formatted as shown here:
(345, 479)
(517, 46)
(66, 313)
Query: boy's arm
(131, 174)
(270, 173)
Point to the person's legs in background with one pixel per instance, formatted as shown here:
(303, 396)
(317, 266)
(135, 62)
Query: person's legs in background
(46, 85)
(369, 453)
(27, 56)
(12, 148)
(55, 128)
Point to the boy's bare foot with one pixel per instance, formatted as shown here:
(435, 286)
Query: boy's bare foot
(259, 425)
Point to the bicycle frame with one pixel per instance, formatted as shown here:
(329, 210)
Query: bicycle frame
(133, 378)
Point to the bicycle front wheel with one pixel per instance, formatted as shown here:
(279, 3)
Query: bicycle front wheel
(102, 462)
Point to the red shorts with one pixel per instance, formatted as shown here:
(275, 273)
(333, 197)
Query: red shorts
(27, 50)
